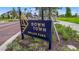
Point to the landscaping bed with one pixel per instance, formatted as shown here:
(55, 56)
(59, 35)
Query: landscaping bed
(66, 34)
(67, 37)
(28, 44)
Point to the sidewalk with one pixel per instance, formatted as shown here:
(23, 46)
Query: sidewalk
(74, 26)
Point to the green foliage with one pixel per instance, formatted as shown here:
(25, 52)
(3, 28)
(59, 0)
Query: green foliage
(66, 32)
(8, 20)
(36, 44)
(14, 13)
(68, 12)
(9, 15)
(28, 14)
(2, 16)
(47, 11)
(75, 15)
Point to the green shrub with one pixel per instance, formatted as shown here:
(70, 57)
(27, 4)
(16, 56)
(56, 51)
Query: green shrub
(66, 32)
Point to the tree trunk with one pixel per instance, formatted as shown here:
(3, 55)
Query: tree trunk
(50, 13)
(42, 13)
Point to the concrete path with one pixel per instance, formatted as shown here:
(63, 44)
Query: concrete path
(74, 26)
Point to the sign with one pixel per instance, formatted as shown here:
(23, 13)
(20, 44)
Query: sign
(40, 29)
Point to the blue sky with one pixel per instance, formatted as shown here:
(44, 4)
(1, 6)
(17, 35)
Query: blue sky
(73, 10)
(6, 9)
(61, 11)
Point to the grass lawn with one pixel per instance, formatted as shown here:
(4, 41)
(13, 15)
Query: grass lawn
(69, 19)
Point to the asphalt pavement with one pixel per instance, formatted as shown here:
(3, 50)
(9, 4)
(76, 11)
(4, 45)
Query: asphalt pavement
(7, 30)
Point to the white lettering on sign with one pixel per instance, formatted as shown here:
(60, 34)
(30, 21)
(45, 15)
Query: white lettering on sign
(39, 29)
(38, 26)
(38, 34)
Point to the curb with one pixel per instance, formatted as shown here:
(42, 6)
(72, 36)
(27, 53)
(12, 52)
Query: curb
(3, 47)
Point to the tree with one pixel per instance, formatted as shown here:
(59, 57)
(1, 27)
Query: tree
(28, 14)
(25, 10)
(54, 12)
(47, 11)
(57, 14)
(8, 16)
(75, 15)
(14, 13)
(41, 13)
(68, 12)
(2, 16)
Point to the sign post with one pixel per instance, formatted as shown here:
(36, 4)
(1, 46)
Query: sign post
(40, 29)
(37, 28)
(21, 23)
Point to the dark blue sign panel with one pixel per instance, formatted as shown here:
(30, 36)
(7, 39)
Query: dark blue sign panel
(40, 29)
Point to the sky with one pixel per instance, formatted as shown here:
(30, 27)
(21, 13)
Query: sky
(73, 10)
(6, 9)
(60, 11)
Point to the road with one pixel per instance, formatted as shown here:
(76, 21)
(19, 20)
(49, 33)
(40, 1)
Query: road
(7, 30)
